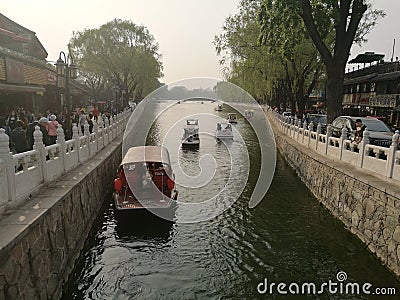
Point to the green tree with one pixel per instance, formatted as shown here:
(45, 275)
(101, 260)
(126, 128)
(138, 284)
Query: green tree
(244, 61)
(348, 21)
(281, 70)
(119, 52)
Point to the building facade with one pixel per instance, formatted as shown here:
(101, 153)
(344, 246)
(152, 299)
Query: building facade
(374, 91)
(26, 79)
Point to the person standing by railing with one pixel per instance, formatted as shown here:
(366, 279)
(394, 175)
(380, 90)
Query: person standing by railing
(52, 129)
(8, 132)
(43, 125)
(360, 127)
(82, 120)
(19, 137)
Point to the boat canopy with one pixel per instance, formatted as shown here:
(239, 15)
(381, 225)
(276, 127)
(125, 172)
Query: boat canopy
(192, 122)
(146, 154)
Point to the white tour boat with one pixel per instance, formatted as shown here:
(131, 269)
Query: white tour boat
(232, 118)
(218, 107)
(191, 133)
(224, 131)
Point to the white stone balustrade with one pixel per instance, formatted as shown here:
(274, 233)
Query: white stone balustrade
(381, 160)
(24, 173)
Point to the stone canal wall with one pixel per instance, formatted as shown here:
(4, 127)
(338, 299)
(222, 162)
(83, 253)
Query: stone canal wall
(366, 203)
(40, 241)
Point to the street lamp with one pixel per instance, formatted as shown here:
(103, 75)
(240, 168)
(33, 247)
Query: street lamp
(66, 69)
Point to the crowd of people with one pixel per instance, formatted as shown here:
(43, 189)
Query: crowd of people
(20, 125)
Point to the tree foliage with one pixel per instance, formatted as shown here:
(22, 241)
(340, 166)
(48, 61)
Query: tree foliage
(282, 68)
(119, 52)
(333, 26)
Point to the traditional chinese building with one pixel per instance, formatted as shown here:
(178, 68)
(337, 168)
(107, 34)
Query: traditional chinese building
(373, 90)
(26, 78)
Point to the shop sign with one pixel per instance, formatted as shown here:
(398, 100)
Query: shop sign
(383, 100)
(14, 71)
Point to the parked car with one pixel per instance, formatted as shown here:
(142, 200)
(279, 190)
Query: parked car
(287, 114)
(315, 119)
(379, 133)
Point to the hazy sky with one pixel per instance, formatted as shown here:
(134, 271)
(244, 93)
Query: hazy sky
(184, 29)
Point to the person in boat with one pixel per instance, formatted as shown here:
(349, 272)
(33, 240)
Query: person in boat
(228, 126)
(218, 126)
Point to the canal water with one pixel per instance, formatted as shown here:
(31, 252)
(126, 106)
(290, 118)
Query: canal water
(288, 238)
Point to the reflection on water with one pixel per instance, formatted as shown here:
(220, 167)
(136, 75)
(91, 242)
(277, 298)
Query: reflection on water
(289, 237)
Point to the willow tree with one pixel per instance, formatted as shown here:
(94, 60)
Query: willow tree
(348, 21)
(244, 61)
(122, 53)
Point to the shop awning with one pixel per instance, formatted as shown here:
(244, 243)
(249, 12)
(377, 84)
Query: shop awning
(387, 76)
(21, 88)
(359, 79)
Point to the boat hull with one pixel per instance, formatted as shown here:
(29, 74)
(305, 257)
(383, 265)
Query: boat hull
(129, 202)
(191, 144)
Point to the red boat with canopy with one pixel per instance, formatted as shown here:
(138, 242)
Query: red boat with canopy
(145, 179)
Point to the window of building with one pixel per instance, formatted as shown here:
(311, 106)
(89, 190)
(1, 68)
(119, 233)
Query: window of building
(372, 87)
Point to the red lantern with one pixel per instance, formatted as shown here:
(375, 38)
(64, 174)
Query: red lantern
(118, 184)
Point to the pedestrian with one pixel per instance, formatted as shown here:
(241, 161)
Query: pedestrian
(8, 132)
(52, 129)
(90, 122)
(12, 119)
(360, 127)
(82, 120)
(95, 113)
(19, 137)
(43, 125)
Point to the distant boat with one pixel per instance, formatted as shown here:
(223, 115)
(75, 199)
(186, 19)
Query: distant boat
(218, 107)
(191, 133)
(249, 114)
(232, 118)
(224, 131)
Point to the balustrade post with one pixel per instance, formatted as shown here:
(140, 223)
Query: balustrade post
(38, 145)
(96, 135)
(328, 135)
(343, 137)
(111, 131)
(318, 133)
(87, 136)
(361, 148)
(310, 127)
(75, 136)
(86, 131)
(298, 129)
(304, 131)
(100, 135)
(8, 188)
(392, 154)
(106, 132)
(63, 145)
(116, 127)
(101, 123)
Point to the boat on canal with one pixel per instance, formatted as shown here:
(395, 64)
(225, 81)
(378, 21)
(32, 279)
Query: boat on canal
(232, 118)
(248, 114)
(218, 107)
(145, 180)
(224, 131)
(191, 133)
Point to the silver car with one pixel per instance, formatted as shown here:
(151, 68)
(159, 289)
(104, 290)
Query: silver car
(379, 133)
